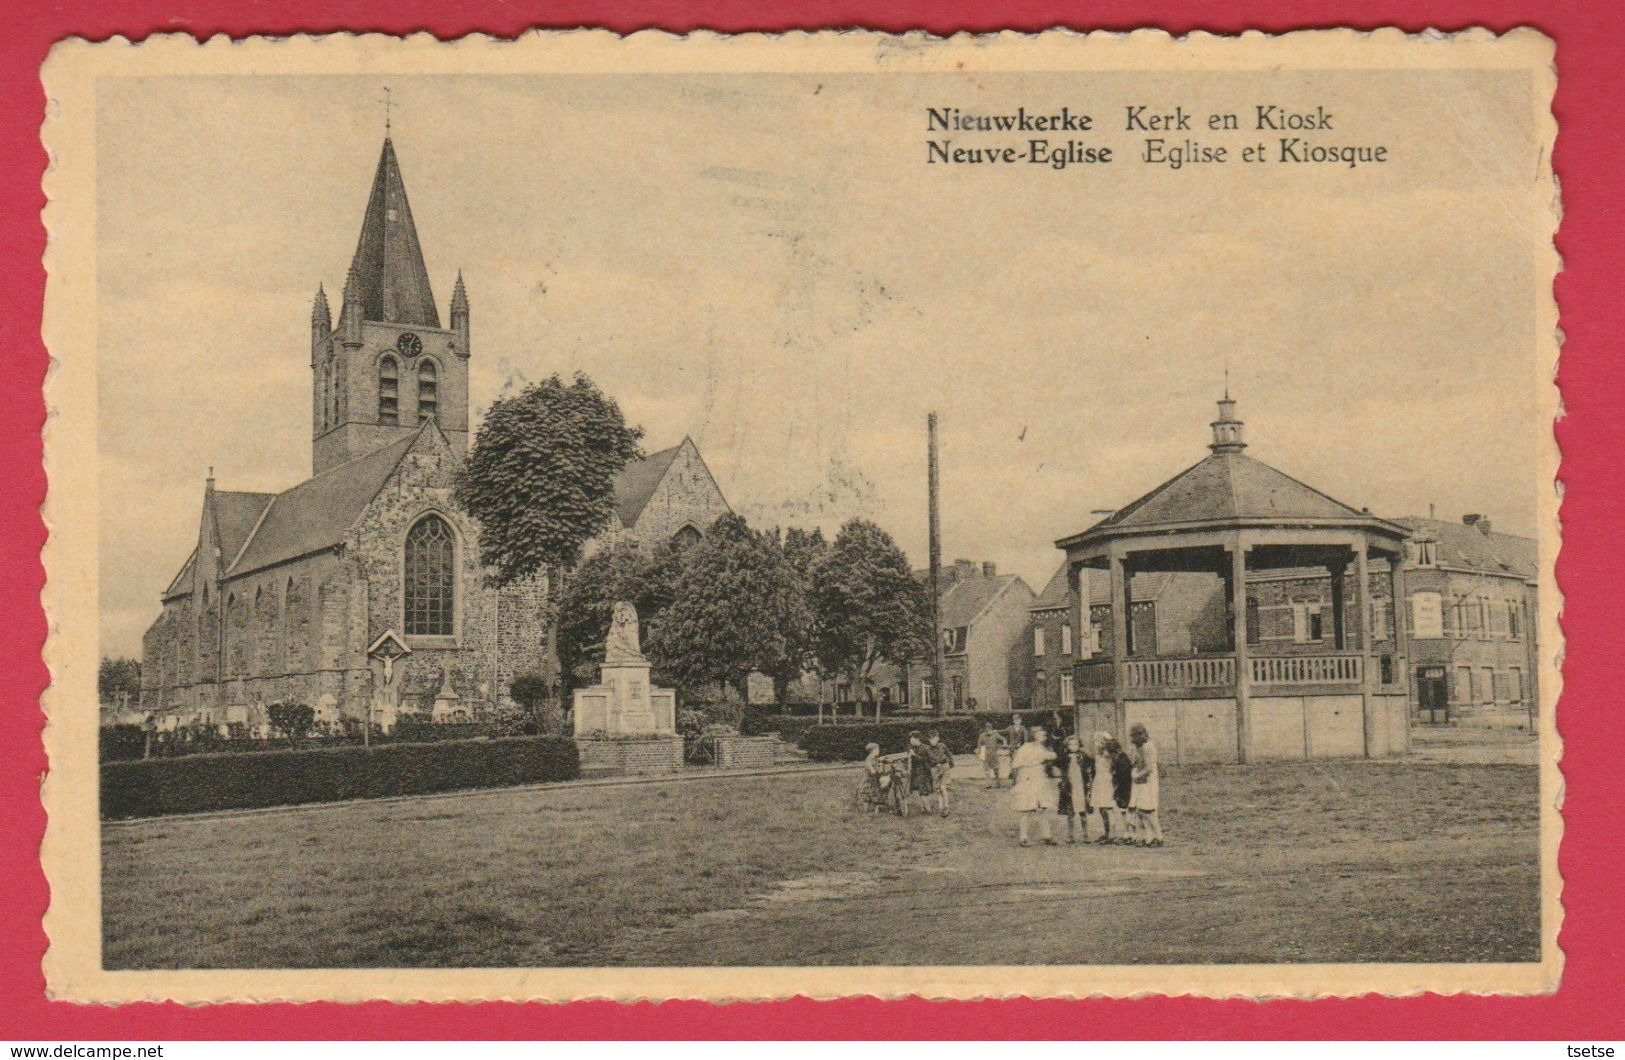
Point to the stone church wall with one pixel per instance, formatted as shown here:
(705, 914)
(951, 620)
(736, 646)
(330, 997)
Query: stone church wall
(686, 496)
(498, 634)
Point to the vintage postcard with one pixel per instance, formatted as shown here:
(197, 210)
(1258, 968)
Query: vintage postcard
(823, 514)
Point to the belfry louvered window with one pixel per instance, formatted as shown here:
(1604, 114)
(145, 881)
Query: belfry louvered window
(431, 578)
(428, 392)
(389, 391)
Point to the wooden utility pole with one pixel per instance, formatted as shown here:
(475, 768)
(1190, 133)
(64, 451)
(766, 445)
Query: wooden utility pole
(937, 692)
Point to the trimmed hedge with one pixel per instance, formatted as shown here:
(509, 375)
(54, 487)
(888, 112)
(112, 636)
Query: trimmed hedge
(121, 743)
(196, 783)
(848, 743)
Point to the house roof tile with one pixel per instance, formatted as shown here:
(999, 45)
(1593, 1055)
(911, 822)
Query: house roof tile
(966, 600)
(1470, 548)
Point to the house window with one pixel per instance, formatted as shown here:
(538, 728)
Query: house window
(902, 693)
(1426, 553)
(1066, 638)
(1515, 680)
(428, 392)
(1514, 619)
(1464, 684)
(1501, 686)
(1067, 699)
(1306, 620)
(1038, 640)
(1376, 619)
(928, 699)
(431, 578)
(1100, 629)
(686, 538)
(1143, 627)
(1486, 686)
(389, 391)
(1040, 683)
(956, 692)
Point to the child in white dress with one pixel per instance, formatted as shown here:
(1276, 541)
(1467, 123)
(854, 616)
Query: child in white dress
(1101, 795)
(1034, 793)
(1147, 786)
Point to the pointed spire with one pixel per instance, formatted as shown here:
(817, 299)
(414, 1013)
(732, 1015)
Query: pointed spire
(459, 317)
(392, 283)
(320, 318)
(1227, 429)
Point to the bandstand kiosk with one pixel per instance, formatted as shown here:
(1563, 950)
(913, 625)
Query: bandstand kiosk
(1243, 696)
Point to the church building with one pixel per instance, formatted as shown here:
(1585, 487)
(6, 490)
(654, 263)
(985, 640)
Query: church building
(359, 592)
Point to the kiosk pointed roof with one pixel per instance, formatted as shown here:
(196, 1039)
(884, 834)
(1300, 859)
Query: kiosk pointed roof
(1230, 488)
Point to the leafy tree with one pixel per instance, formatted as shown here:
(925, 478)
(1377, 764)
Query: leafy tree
(540, 478)
(292, 720)
(727, 618)
(118, 675)
(802, 551)
(869, 607)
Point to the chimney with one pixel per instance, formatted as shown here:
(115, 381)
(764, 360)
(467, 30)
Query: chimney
(964, 570)
(1471, 519)
(990, 570)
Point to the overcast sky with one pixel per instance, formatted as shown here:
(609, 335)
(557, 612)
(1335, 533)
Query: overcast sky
(766, 263)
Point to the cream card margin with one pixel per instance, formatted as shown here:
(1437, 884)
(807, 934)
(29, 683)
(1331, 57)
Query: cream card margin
(71, 848)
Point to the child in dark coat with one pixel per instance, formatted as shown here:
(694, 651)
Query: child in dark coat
(1122, 787)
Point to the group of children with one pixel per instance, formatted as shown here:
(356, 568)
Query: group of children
(1070, 780)
(1074, 782)
(926, 767)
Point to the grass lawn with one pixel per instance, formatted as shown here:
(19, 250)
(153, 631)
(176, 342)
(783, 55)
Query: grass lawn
(1344, 861)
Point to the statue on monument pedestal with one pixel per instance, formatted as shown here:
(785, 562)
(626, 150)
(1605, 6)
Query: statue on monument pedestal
(622, 644)
(624, 700)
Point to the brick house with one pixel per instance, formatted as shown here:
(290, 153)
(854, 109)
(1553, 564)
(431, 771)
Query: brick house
(359, 591)
(1168, 609)
(1472, 619)
(984, 629)
(984, 622)
(1049, 649)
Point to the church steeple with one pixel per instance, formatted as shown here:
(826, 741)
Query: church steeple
(392, 283)
(387, 367)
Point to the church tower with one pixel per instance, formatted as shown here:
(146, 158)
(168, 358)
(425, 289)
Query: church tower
(388, 366)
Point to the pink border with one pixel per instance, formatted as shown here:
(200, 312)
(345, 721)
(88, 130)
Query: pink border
(1590, 36)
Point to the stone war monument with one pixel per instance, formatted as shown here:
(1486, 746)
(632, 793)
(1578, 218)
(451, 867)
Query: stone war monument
(623, 702)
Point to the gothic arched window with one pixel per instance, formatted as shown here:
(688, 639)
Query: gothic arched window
(428, 392)
(686, 538)
(431, 578)
(389, 391)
